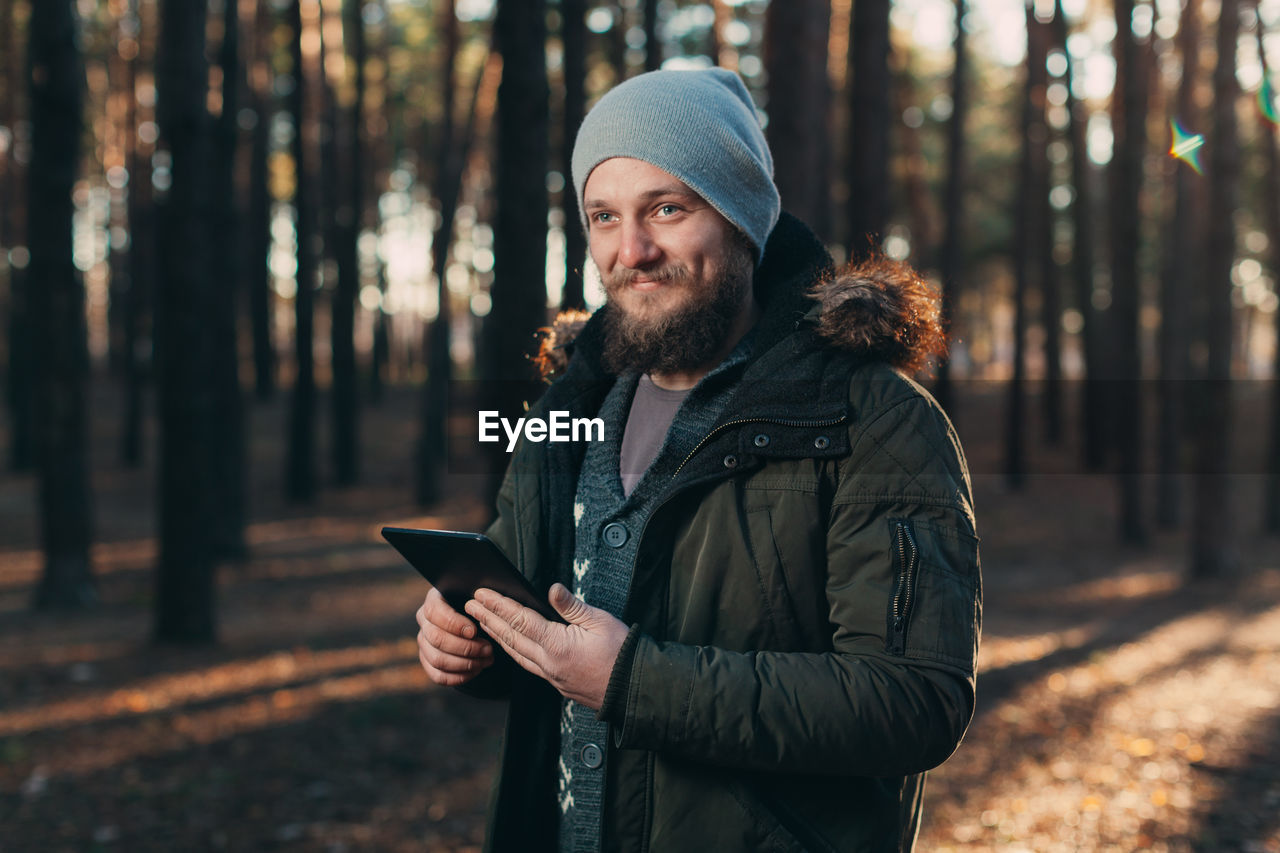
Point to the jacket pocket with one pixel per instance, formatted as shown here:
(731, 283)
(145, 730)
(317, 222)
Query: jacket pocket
(774, 833)
(934, 610)
(774, 584)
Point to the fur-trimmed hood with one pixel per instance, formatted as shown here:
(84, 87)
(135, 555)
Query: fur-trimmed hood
(879, 308)
(883, 309)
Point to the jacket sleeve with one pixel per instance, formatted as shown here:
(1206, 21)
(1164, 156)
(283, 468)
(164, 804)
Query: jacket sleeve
(895, 692)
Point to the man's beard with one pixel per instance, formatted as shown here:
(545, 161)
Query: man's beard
(687, 337)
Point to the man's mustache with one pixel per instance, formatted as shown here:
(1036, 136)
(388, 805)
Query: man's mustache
(665, 274)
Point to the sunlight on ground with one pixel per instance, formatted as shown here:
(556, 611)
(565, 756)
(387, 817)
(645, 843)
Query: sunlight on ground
(202, 685)
(20, 568)
(1000, 652)
(203, 705)
(1139, 585)
(1193, 693)
(200, 726)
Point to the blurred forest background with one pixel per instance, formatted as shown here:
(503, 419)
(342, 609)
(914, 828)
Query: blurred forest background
(259, 259)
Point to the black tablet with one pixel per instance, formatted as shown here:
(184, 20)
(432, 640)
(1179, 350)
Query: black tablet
(458, 564)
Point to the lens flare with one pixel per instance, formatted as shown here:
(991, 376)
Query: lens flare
(1186, 146)
(1269, 101)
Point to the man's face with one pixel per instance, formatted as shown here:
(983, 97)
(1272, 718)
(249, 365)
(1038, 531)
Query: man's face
(676, 272)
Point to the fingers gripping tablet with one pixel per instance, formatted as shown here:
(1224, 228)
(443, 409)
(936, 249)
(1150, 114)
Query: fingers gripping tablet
(458, 564)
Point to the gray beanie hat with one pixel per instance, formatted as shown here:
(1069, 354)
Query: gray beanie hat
(699, 126)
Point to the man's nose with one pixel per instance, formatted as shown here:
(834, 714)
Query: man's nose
(637, 249)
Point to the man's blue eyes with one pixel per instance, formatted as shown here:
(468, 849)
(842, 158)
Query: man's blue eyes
(665, 210)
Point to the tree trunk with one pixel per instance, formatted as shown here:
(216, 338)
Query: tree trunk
(1271, 153)
(348, 216)
(722, 52)
(1027, 237)
(1051, 322)
(574, 37)
(1182, 259)
(1129, 115)
(617, 42)
(228, 450)
(520, 239)
(8, 120)
(920, 209)
(19, 386)
(432, 451)
(380, 155)
(185, 591)
(60, 355)
(1092, 412)
(795, 52)
(652, 44)
(300, 472)
(258, 244)
(951, 262)
(116, 117)
(328, 183)
(1213, 549)
(1050, 286)
(869, 93)
(142, 259)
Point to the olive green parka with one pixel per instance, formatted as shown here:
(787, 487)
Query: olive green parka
(805, 605)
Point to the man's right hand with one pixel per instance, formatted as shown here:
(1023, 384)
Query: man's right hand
(447, 645)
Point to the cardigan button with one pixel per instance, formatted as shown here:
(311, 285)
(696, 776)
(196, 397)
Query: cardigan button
(761, 440)
(822, 442)
(592, 756)
(731, 461)
(615, 535)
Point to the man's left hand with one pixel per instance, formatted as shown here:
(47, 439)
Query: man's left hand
(576, 658)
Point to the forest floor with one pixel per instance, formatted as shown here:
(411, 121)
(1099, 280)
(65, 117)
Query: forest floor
(1119, 707)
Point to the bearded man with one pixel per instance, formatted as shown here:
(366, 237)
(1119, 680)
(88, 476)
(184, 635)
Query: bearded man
(768, 568)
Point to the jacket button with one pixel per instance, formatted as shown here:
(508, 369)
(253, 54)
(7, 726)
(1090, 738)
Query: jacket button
(592, 756)
(822, 442)
(615, 535)
(731, 461)
(761, 440)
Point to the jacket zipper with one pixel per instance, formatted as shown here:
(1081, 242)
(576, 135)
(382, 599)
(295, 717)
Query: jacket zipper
(904, 593)
(781, 422)
(652, 515)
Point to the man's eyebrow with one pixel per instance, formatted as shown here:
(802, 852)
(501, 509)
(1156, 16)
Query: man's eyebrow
(648, 195)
